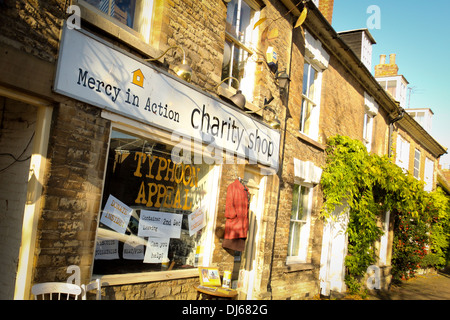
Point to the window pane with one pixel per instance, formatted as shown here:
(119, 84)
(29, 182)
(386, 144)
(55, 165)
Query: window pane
(239, 59)
(121, 10)
(295, 204)
(416, 163)
(305, 79)
(298, 232)
(392, 87)
(239, 16)
(305, 116)
(244, 24)
(227, 59)
(294, 239)
(232, 18)
(143, 180)
(312, 79)
(303, 210)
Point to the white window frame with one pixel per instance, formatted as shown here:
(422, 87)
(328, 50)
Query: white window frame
(400, 87)
(304, 236)
(416, 172)
(318, 58)
(402, 153)
(146, 13)
(367, 131)
(313, 131)
(371, 110)
(428, 175)
(247, 81)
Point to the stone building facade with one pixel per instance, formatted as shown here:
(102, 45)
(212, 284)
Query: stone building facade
(62, 83)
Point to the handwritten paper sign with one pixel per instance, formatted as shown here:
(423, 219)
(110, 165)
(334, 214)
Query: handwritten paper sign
(116, 214)
(107, 249)
(196, 220)
(157, 249)
(133, 250)
(159, 224)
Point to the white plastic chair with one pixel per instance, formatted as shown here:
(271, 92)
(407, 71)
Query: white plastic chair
(94, 285)
(56, 291)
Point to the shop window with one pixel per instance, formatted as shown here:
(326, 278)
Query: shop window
(239, 38)
(134, 14)
(299, 224)
(155, 208)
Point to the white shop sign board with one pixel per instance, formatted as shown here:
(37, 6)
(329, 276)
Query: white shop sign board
(94, 71)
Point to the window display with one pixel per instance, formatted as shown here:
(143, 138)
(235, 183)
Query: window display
(154, 208)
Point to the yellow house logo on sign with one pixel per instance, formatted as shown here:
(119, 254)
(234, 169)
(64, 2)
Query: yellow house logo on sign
(138, 78)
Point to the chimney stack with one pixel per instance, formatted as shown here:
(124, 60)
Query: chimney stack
(386, 69)
(326, 8)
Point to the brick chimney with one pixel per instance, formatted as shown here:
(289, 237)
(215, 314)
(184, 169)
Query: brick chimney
(326, 7)
(384, 69)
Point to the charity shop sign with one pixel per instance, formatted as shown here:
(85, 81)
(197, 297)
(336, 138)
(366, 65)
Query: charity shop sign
(94, 71)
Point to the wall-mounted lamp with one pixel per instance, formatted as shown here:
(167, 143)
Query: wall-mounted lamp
(275, 123)
(238, 98)
(283, 81)
(183, 71)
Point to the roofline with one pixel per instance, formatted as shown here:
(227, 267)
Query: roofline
(418, 132)
(321, 29)
(416, 109)
(361, 29)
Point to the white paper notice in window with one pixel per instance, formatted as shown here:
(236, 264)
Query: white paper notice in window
(157, 249)
(159, 224)
(133, 250)
(107, 249)
(196, 220)
(116, 215)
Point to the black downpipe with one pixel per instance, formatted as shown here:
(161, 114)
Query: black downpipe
(285, 99)
(391, 129)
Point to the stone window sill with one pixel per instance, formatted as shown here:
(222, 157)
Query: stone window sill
(299, 267)
(132, 278)
(302, 137)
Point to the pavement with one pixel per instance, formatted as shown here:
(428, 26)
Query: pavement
(423, 287)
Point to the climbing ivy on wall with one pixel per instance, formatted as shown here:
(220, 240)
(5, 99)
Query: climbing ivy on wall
(371, 185)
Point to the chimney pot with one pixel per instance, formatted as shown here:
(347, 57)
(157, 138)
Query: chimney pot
(383, 59)
(392, 58)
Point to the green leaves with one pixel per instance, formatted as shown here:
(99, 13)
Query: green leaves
(371, 185)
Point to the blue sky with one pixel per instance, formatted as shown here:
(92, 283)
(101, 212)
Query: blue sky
(418, 32)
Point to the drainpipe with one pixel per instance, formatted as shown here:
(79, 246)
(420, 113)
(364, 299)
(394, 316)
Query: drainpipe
(391, 129)
(280, 171)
